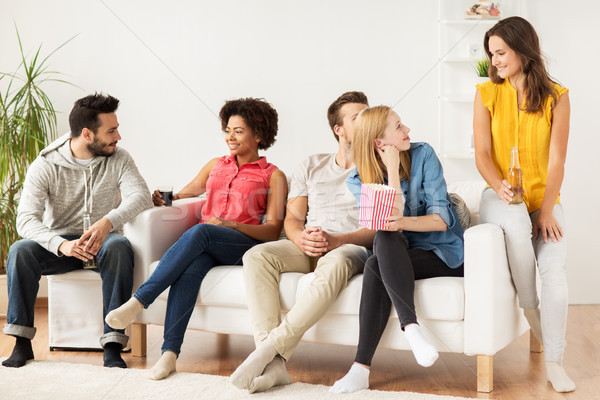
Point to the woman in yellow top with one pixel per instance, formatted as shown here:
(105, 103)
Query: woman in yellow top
(522, 107)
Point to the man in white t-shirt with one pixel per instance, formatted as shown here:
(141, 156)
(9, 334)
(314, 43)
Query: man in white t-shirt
(322, 228)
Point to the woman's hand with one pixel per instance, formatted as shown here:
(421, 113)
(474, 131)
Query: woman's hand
(549, 227)
(157, 198)
(221, 222)
(393, 223)
(390, 156)
(504, 193)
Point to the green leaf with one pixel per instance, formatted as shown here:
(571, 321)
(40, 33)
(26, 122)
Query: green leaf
(27, 124)
(482, 67)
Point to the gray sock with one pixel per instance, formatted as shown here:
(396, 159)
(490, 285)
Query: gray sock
(275, 375)
(253, 366)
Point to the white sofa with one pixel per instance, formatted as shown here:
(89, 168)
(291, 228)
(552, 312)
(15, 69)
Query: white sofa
(475, 315)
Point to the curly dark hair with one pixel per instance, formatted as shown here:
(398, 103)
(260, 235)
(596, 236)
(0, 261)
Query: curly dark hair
(85, 112)
(259, 115)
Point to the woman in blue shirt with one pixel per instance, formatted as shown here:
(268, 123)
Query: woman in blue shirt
(424, 240)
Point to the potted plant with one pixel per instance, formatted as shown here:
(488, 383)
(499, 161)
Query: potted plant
(482, 69)
(27, 124)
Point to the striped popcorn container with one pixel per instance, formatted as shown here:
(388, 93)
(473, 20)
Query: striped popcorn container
(376, 204)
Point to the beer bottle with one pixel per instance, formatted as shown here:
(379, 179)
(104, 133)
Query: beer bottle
(93, 263)
(515, 177)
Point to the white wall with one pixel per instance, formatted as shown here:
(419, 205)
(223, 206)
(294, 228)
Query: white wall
(173, 65)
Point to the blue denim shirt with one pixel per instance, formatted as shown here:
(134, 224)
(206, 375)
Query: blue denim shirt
(425, 193)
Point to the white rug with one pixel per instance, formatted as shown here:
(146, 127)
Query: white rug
(41, 380)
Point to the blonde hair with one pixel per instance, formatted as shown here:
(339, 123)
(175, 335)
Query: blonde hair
(369, 126)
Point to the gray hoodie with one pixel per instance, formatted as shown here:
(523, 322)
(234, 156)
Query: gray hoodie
(57, 190)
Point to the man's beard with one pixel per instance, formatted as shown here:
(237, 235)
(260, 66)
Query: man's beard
(98, 149)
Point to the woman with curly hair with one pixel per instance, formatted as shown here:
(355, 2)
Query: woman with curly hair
(242, 189)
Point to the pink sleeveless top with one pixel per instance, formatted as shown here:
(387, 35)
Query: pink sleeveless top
(238, 194)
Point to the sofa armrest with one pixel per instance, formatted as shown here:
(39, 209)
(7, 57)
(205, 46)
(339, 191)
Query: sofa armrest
(492, 316)
(153, 231)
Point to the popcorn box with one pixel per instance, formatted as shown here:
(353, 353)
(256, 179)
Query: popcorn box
(376, 205)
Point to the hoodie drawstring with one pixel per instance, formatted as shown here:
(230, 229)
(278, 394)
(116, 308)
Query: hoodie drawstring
(91, 190)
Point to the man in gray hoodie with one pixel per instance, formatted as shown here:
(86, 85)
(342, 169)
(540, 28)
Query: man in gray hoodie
(80, 173)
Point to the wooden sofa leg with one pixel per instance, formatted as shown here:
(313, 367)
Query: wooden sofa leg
(138, 340)
(485, 373)
(222, 345)
(534, 345)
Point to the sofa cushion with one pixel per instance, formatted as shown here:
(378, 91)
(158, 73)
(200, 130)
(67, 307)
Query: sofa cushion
(462, 211)
(470, 192)
(440, 298)
(224, 286)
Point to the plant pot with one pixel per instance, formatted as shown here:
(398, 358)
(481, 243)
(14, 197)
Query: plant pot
(3, 296)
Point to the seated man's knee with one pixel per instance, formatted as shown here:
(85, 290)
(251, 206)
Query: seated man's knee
(116, 243)
(117, 252)
(20, 251)
(252, 257)
(21, 246)
(257, 258)
(335, 264)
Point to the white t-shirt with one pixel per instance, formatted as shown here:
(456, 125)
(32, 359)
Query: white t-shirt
(331, 206)
(83, 162)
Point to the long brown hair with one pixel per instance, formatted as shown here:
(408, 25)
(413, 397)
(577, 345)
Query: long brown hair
(521, 37)
(370, 125)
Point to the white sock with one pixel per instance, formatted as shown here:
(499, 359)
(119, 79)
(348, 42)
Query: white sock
(356, 379)
(120, 317)
(558, 377)
(533, 317)
(164, 366)
(275, 375)
(424, 351)
(253, 366)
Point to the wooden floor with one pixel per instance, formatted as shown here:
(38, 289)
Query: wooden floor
(518, 374)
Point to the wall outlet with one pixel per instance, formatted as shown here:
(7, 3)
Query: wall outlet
(475, 50)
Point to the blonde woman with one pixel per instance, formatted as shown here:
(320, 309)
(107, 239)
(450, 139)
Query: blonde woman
(423, 239)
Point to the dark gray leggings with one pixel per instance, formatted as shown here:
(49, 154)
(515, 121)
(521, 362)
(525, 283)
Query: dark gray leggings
(389, 278)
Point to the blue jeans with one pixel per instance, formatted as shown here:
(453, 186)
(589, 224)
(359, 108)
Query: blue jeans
(183, 267)
(27, 261)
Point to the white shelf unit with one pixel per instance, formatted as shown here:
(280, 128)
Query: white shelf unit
(457, 38)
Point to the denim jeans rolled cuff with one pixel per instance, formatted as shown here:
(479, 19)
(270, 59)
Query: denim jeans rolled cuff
(142, 302)
(171, 349)
(114, 337)
(26, 332)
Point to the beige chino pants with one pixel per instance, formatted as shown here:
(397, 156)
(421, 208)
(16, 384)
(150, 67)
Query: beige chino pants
(263, 265)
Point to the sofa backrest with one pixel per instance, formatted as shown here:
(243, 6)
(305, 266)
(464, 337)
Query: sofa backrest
(470, 192)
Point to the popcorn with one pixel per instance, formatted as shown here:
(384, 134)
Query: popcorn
(376, 205)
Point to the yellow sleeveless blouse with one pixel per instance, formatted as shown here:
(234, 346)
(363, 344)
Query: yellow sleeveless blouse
(530, 132)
